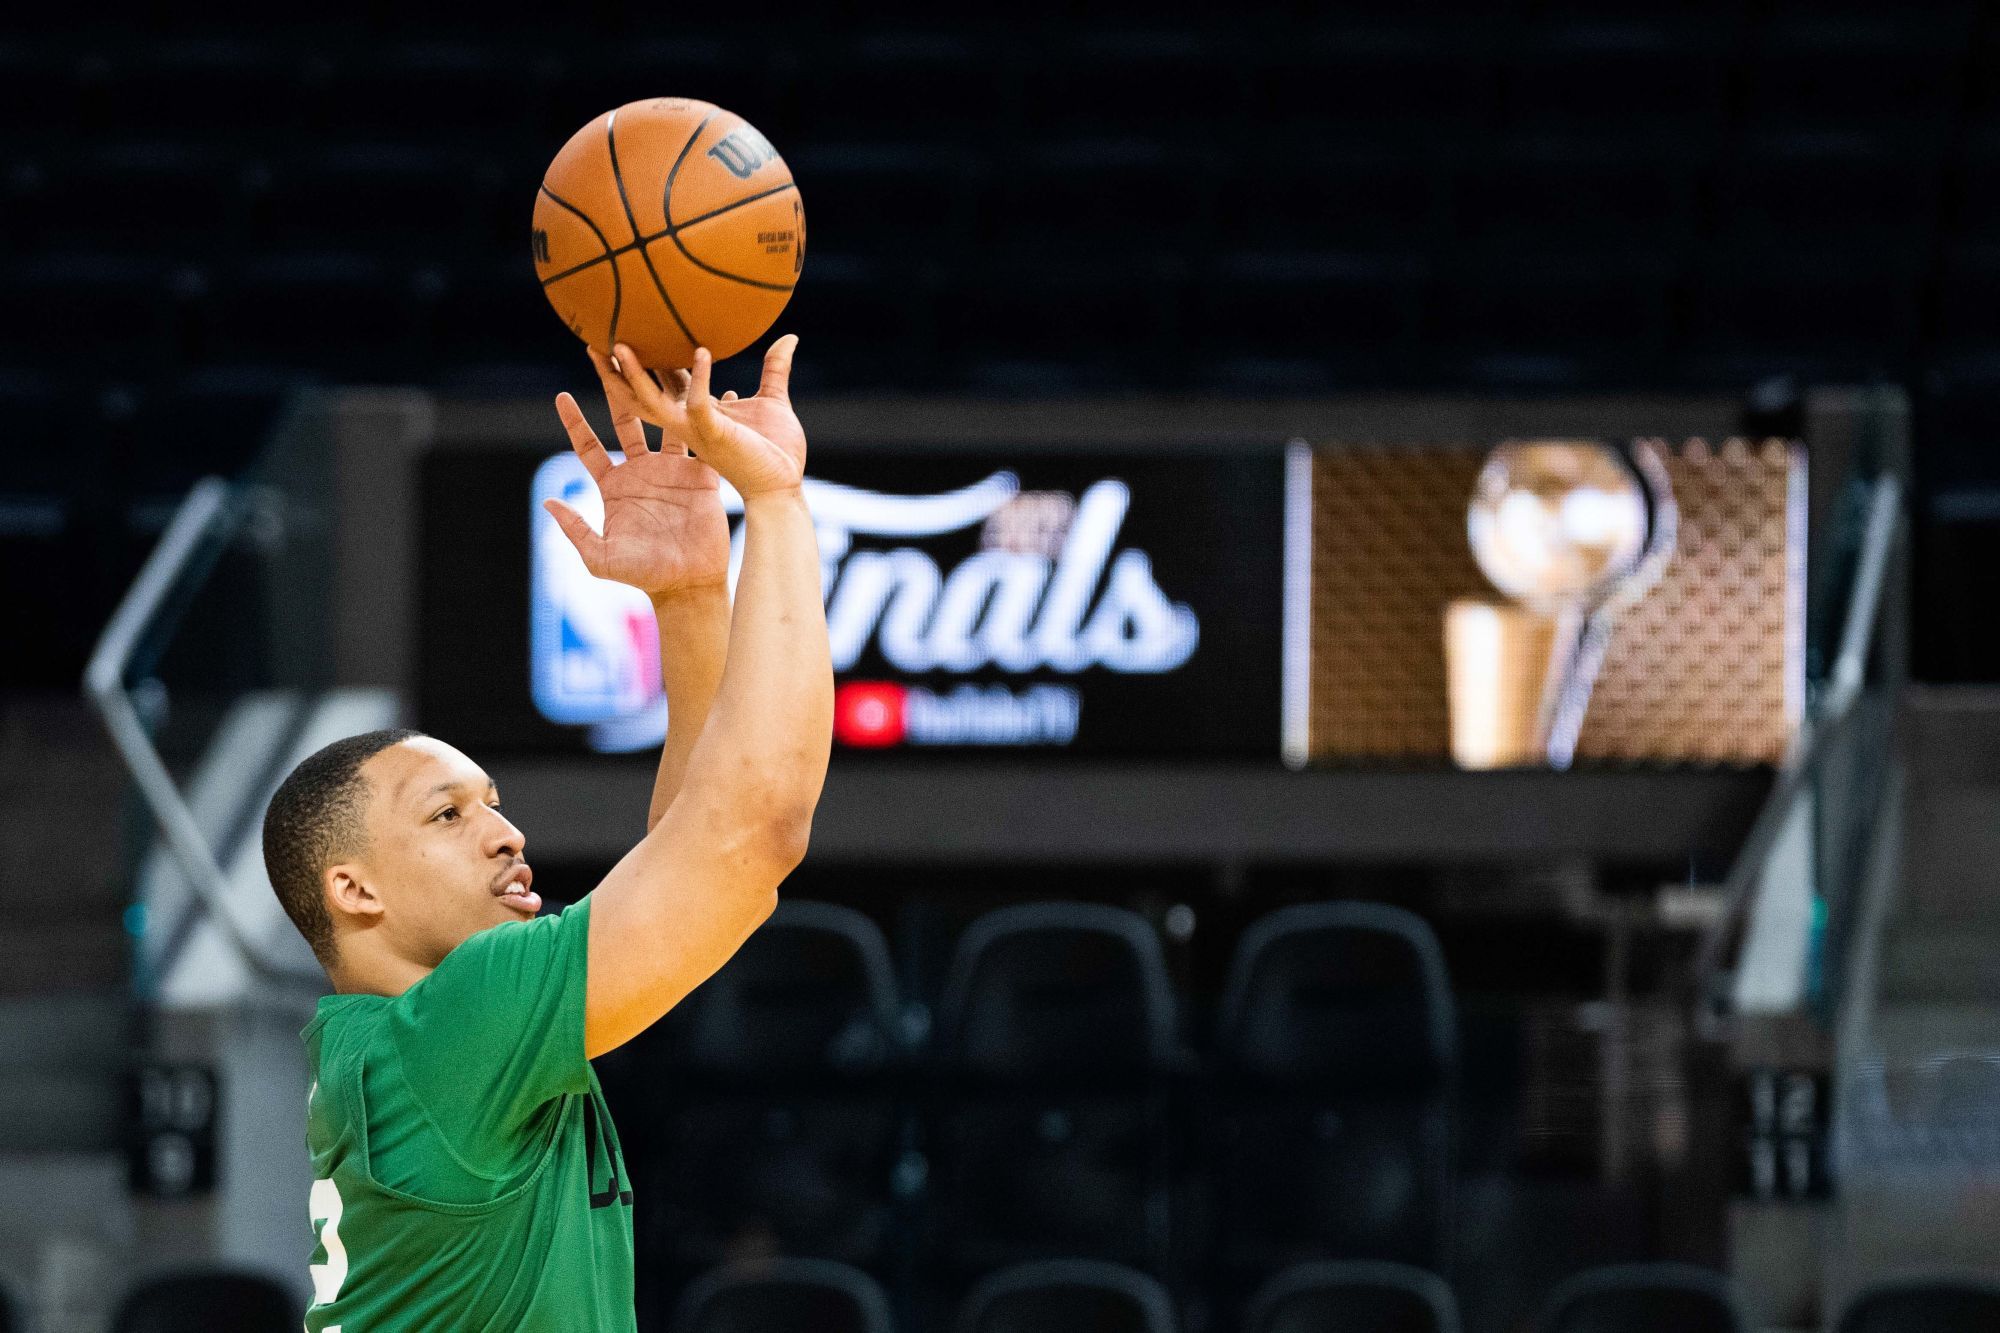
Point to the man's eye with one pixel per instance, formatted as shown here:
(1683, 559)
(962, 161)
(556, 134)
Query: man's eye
(448, 810)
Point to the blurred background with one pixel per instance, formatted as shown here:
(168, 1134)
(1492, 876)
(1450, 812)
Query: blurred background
(1489, 826)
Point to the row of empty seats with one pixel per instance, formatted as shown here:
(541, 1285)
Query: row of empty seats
(1054, 1107)
(1082, 1296)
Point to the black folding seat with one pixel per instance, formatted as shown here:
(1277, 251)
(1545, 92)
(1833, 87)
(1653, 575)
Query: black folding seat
(1957, 1304)
(939, 90)
(208, 422)
(1048, 1135)
(109, 308)
(1900, 70)
(1338, 196)
(784, 1296)
(1967, 301)
(1386, 82)
(439, 92)
(1066, 1296)
(1643, 1298)
(1356, 1296)
(338, 315)
(1577, 195)
(221, 88)
(903, 203)
(1876, 194)
(1654, 80)
(147, 198)
(203, 1302)
(1800, 311)
(1558, 321)
(488, 326)
(1180, 86)
(1100, 323)
(389, 201)
(770, 1098)
(1331, 1126)
(862, 323)
(1085, 201)
(1355, 316)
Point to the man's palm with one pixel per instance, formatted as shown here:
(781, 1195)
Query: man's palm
(664, 529)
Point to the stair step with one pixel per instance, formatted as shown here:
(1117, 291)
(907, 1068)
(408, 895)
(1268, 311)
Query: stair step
(1950, 960)
(1951, 734)
(1914, 1028)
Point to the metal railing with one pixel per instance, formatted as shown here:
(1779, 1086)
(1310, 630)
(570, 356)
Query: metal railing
(211, 517)
(1829, 729)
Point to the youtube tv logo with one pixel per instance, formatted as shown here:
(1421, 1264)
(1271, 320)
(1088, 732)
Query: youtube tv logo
(869, 714)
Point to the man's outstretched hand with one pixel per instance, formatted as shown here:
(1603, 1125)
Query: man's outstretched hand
(756, 442)
(664, 529)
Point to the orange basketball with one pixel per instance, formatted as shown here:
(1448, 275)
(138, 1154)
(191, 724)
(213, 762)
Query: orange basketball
(669, 225)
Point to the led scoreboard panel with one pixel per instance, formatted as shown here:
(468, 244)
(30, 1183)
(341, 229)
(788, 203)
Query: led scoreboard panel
(1114, 604)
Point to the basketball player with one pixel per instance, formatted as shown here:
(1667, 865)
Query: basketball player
(467, 1175)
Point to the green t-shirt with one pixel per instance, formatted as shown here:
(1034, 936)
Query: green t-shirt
(466, 1174)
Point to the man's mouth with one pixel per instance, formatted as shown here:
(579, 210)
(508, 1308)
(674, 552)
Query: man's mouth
(513, 890)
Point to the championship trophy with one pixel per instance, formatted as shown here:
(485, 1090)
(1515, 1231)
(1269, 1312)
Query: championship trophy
(1570, 532)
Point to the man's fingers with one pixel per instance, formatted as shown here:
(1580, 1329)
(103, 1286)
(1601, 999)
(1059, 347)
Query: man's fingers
(650, 402)
(729, 395)
(681, 379)
(777, 378)
(625, 418)
(582, 438)
(581, 535)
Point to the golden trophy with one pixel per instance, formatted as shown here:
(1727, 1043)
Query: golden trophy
(1570, 532)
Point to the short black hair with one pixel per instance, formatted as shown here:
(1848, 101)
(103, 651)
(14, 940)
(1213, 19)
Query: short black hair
(314, 817)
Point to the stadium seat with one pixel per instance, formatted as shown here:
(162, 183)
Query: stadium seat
(1180, 87)
(141, 197)
(1358, 315)
(1557, 321)
(225, 88)
(784, 1296)
(341, 315)
(906, 204)
(1643, 1298)
(112, 308)
(1924, 1305)
(862, 323)
(430, 92)
(1115, 321)
(1757, 312)
(1331, 1122)
(1055, 1031)
(1384, 82)
(208, 1302)
(1312, 197)
(388, 201)
(1658, 79)
(1353, 1297)
(917, 88)
(1901, 69)
(1066, 1296)
(1072, 200)
(767, 1096)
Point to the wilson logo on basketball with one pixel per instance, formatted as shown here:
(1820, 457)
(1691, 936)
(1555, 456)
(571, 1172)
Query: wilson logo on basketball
(541, 246)
(742, 151)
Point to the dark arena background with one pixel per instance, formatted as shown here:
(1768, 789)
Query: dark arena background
(1412, 591)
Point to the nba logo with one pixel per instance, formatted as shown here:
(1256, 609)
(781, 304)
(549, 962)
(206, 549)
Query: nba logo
(594, 647)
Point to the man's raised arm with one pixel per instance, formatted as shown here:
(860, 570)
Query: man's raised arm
(687, 896)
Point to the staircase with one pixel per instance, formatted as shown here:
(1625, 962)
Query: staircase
(1919, 1109)
(65, 1012)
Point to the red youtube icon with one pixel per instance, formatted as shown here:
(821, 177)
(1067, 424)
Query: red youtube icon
(868, 714)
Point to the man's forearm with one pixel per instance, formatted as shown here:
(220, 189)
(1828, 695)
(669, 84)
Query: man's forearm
(694, 642)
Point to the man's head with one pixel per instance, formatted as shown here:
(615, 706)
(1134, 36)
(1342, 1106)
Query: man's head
(391, 844)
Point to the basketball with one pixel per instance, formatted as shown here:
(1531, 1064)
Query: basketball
(668, 224)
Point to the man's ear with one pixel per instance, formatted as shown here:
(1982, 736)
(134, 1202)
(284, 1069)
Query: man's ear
(347, 894)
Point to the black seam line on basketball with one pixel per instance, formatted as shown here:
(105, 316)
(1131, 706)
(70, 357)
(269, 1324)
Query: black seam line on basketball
(617, 287)
(662, 235)
(667, 211)
(611, 143)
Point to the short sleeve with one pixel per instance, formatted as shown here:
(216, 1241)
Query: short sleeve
(496, 1031)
